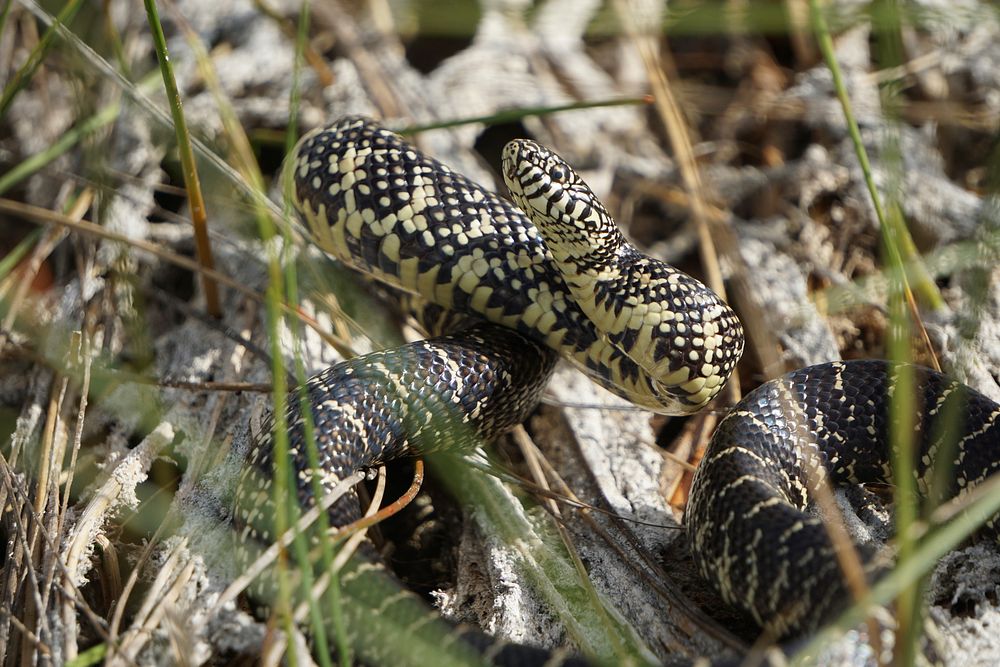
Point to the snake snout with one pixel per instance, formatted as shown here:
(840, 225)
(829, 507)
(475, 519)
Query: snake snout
(510, 161)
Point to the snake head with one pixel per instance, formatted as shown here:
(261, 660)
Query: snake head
(536, 174)
(570, 217)
(527, 163)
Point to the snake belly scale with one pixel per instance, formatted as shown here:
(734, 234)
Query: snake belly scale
(554, 274)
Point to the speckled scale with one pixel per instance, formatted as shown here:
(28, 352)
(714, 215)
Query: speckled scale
(379, 205)
(450, 392)
(669, 324)
(458, 217)
(750, 534)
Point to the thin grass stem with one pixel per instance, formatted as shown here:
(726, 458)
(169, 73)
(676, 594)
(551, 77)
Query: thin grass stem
(189, 167)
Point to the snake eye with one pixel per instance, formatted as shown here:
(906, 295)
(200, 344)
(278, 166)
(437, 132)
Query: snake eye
(557, 174)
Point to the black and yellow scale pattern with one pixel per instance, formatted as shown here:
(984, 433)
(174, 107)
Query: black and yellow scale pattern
(446, 393)
(449, 393)
(748, 518)
(557, 274)
(379, 205)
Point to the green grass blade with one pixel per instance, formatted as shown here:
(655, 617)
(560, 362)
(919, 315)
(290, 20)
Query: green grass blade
(188, 165)
(897, 237)
(900, 254)
(512, 115)
(903, 406)
(92, 656)
(984, 505)
(20, 251)
(4, 13)
(335, 623)
(24, 73)
(68, 140)
(295, 95)
(598, 631)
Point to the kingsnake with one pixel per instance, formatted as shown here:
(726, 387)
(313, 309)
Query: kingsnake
(556, 273)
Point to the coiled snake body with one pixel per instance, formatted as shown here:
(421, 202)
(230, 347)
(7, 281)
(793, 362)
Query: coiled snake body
(555, 272)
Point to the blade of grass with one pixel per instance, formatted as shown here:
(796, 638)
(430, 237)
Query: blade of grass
(24, 73)
(596, 629)
(332, 594)
(92, 656)
(188, 165)
(242, 155)
(19, 252)
(278, 300)
(897, 244)
(103, 67)
(315, 59)
(902, 407)
(891, 226)
(981, 504)
(511, 115)
(4, 13)
(295, 94)
(117, 47)
(981, 253)
(283, 486)
(285, 294)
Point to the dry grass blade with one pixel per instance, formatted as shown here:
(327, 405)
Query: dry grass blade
(163, 593)
(331, 14)
(358, 536)
(122, 601)
(84, 359)
(534, 458)
(123, 478)
(36, 214)
(848, 558)
(371, 518)
(267, 557)
(42, 534)
(316, 61)
(650, 570)
(12, 488)
(977, 507)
